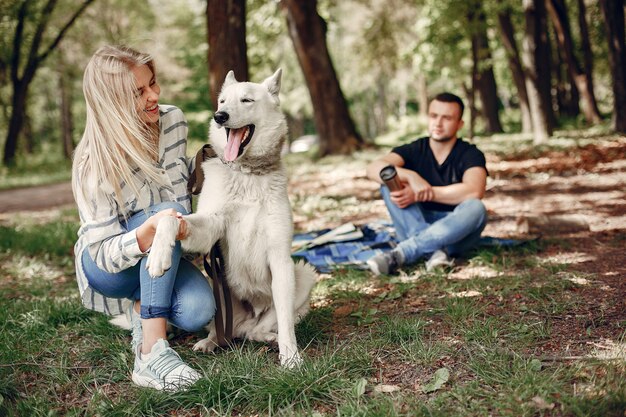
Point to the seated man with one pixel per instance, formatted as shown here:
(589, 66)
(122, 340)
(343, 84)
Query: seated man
(438, 211)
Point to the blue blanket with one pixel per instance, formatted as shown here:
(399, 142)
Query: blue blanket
(377, 238)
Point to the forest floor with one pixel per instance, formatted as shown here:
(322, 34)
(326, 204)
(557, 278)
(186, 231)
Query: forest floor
(573, 199)
(543, 326)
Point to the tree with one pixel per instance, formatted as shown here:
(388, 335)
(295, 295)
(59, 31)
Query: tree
(584, 83)
(483, 78)
(29, 55)
(507, 32)
(613, 14)
(537, 69)
(226, 35)
(334, 125)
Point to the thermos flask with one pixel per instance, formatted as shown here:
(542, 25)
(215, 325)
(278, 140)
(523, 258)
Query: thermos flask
(389, 175)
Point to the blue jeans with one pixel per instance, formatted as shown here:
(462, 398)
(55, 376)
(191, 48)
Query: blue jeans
(422, 232)
(182, 295)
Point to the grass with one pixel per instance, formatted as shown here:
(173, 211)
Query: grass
(506, 350)
(56, 358)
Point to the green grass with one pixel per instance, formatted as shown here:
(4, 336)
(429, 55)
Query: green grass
(502, 348)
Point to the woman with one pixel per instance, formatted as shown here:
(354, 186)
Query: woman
(129, 171)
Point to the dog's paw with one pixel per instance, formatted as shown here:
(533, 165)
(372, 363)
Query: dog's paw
(159, 260)
(160, 257)
(205, 345)
(291, 361)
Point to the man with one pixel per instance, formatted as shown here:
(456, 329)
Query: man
(438, 211)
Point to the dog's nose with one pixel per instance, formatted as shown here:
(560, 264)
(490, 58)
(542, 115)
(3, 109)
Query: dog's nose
(220, 117)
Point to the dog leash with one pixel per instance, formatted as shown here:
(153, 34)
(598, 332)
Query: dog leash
(214, 267)
(196, 179)
(223, 319)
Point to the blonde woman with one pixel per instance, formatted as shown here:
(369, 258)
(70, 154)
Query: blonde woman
(130, 170)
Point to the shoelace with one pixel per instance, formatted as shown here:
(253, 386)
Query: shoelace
(166, 362)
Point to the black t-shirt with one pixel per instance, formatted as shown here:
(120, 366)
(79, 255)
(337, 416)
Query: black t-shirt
(419, 157)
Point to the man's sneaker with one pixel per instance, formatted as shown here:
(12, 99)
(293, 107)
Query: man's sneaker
(135, 325)
(438, 259)
(163, 369)
(384, 264)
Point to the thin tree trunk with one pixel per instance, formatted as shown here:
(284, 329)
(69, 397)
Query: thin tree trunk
(307, 30)
(613, 13)
(485, 80)
(34, 59)
(586, 46)
(536, 71)
(226, 36)
(508, 39)
(67, 122)
(566, 97)
(558, 13)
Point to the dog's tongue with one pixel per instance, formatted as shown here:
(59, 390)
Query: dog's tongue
(231, 151)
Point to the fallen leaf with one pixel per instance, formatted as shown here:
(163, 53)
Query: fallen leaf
(386, 388)
(441, 377)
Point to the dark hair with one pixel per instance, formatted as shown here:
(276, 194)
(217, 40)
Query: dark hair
(451, 98)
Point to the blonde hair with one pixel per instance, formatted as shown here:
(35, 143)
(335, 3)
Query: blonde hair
(116, 142)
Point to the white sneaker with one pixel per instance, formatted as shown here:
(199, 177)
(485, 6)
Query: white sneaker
(163, 370)
(135, 325)
(438, 259)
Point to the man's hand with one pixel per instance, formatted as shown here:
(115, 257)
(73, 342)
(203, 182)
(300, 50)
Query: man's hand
(421, 189)
(416, 190)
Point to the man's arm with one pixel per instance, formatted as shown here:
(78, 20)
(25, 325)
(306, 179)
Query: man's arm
(418, 188)
(473, 185)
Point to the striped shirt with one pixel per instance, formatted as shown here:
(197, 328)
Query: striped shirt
(102, 230)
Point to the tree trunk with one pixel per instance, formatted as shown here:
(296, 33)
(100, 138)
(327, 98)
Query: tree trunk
(34, 59)
(537, 73)
(334, 125)
(470, 93)
(508, 39)
(566, 92)
(613, 13)
(226, 36)
(560, 20)
(485, 80)
(67, 122)
(16, 122)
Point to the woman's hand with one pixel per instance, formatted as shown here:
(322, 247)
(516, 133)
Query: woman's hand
(146, 232)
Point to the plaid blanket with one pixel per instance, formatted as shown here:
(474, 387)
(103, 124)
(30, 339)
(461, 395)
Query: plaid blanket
(377, 238)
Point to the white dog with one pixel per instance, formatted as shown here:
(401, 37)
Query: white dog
(244, 204)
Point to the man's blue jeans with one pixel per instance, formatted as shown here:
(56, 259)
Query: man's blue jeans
(182, 295)
(422, 232)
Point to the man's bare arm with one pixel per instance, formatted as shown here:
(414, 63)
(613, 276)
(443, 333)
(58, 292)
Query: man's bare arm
(473, 185)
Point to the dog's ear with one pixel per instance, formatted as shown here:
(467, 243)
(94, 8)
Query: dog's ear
(273, 83)
(230, 79)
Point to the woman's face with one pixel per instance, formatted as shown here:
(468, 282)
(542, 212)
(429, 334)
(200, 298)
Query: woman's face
(147, 94)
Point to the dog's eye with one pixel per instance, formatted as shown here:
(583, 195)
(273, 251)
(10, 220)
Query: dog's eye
(247, 100)
(222, 101)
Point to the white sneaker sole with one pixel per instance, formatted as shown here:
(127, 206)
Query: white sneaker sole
(147, 382)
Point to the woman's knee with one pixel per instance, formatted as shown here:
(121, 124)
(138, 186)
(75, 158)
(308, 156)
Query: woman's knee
(196, 313)
(194, 301)
(169, 205)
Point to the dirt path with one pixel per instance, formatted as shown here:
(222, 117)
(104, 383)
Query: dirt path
(38, 198)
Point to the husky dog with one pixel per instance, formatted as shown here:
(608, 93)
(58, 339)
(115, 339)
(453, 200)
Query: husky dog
(244, 205)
